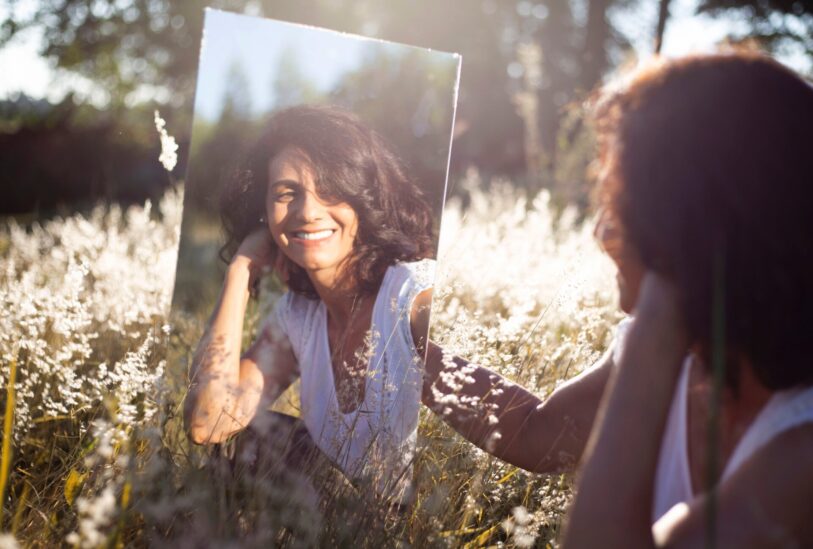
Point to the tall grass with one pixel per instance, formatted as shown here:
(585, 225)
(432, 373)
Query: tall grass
(99, 455)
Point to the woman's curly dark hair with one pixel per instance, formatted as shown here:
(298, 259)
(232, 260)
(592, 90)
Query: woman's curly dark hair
(352, 164)
(708, 160)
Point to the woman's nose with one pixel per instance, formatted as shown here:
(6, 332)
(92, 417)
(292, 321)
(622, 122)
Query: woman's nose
(310, 208)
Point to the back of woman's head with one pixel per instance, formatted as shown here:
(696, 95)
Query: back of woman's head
(708, 166)
(350, 163)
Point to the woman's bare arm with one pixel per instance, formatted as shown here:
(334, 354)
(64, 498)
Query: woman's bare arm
(767, 502)
(227, 389)
(613, 502)
(503, 418)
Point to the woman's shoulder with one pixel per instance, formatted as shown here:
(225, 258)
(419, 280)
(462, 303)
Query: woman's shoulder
(766, 502)
(402, 283)
(292, 311)
(786, 410)
(420, 274)
(289, 302)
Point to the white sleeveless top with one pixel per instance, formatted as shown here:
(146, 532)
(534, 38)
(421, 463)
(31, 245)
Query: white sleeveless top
(673, 485)
(376, 442)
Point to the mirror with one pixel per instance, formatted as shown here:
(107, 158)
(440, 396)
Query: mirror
(317, 173)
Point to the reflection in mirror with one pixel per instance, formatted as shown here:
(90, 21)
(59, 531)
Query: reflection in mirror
(315, 184)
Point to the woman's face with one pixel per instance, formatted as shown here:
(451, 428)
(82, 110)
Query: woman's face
(315, 233)
(626, 258)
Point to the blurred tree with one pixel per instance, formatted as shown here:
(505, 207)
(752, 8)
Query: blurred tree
(663, 15)
(237, 95)
(575, 39)
(775, 23)
(74, 154)
(149, 49)
(118, 45)
(125, 46)
(218, 145)
(288, 85)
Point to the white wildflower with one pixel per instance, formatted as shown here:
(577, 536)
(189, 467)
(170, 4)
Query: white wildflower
(524, 539)
(116, 273)
(520, 527)
(491, 442)
(95, 514)
(169, 148)
(8, 541)
(521, 515)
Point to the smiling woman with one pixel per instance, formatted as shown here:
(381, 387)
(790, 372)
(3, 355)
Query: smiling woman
(326, 205)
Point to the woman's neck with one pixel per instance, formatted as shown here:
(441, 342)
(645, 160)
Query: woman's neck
(745, 403)
(339, 294)
(749, 396)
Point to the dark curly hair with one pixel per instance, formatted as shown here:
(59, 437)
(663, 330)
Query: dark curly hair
(352, 164)
(708, 160)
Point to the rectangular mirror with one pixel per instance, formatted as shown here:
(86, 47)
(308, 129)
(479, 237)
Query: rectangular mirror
(315, 181)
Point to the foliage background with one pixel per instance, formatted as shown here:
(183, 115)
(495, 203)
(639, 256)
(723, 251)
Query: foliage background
(93, 454)
(132, 57)
(98, 455)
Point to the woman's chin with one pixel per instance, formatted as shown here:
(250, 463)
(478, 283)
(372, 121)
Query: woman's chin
(304, 257)
(625, 305)
(313, 262)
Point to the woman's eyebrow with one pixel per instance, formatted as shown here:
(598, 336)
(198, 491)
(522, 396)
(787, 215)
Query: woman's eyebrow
(284, 183)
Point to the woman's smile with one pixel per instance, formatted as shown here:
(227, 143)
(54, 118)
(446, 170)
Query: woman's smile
(312, 238)
(316, 235)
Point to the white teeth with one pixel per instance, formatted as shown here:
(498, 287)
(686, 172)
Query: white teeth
(318, 235)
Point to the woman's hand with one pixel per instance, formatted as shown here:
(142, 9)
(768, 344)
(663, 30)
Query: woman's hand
(226, 389)
(657, 311)
(255, 253)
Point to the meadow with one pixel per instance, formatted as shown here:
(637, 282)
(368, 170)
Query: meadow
(94, 454)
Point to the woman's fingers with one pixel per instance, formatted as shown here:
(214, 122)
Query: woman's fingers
(256, 248)
(658, 313)
(659, 295)
(257, 245)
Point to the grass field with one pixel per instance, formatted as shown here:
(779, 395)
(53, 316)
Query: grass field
(93, 452)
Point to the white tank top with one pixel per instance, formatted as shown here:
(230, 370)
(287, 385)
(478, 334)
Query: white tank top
(376, 442)
(673, 486)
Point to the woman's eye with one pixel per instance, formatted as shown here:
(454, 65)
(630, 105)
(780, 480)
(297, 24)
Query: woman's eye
(284, 196)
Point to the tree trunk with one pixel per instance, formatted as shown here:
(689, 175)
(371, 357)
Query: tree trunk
(594, 48)
(663, 15)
